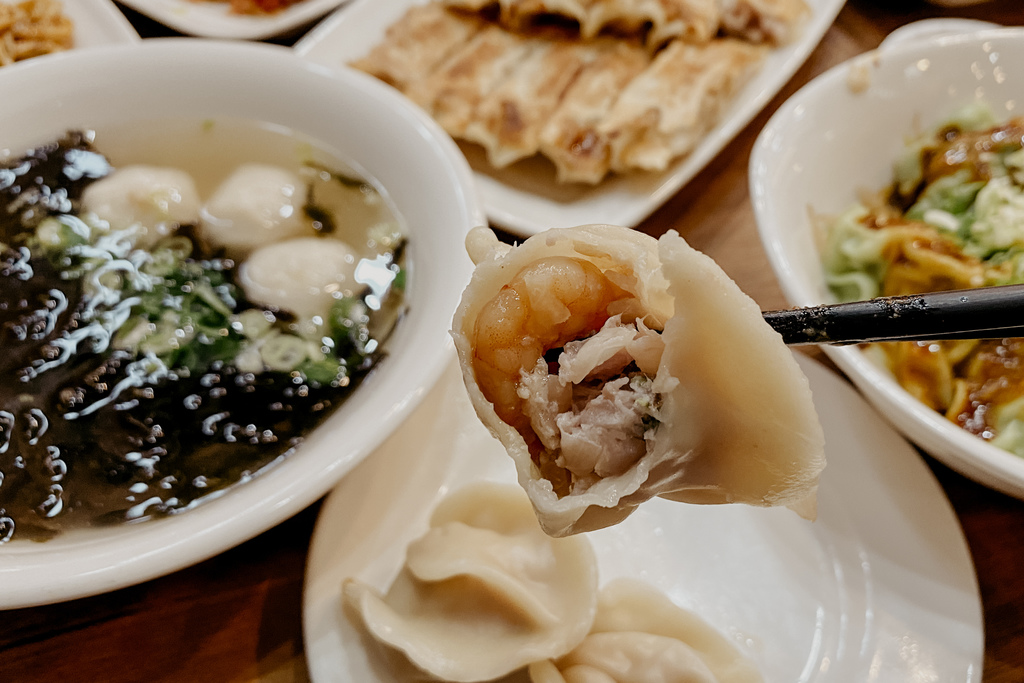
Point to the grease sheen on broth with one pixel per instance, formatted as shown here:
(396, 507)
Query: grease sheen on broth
(137, 383)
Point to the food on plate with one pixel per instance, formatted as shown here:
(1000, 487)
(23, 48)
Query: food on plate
(483, 592)
(254, 6)
(570, 137)
(615, 367)
(591, 101)
(655, 21)
(773, 21)
(534, 91)
(664, 111)
(32, 28)
(414, 46)
(164, 340)
(952, 218)
(453, 92)
(640, 636)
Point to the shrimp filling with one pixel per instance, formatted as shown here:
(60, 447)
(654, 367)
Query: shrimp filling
(596, 414)
(564, 358)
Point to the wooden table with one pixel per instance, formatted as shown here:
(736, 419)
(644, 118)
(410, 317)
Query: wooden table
(237, 617)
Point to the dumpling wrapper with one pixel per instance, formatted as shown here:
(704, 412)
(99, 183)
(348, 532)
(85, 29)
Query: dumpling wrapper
(655, 20)
(484, 592)
(569, 137)
(664, 112)
(737, 421)
(508, 122)
(771, 21)
(640, 636)
(417, 43)
(694, 21)
(453, 91)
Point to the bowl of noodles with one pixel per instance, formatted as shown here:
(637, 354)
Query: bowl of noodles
(898, 172)
(219, 293)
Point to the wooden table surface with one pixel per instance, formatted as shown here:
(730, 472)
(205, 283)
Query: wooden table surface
(237, 616)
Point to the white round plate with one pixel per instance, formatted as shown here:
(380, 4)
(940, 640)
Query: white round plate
(881, 587)
(213, 19)
(837, 137)
(524, 198)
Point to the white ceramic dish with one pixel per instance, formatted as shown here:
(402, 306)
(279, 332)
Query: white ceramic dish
(420, 168)
(524, 198)
(212, 19)
(830, 141)
(99, 22)
(881, 587)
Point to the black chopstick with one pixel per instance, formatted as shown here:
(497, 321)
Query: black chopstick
(983, 313)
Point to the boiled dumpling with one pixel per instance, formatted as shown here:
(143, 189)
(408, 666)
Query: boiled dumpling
(153, 200)
(614, 367)
(303, 276)
(640, 636)
(484, 592)
(256, 205)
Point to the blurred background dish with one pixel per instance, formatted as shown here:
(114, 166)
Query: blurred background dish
(93, 22)
(123, 90)
(836, 142)
(215, 19)
(524, 198)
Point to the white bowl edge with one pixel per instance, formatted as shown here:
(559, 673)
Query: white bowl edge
(786, 232)
(97, 560)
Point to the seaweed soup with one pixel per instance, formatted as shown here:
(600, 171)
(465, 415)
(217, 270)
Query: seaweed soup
(147, 368)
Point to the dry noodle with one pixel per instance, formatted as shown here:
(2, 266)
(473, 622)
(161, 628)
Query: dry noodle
(32, 28)
(953, 219)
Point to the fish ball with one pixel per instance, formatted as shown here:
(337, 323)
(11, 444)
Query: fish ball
(255, 206)
(303, 276)
(155, 199)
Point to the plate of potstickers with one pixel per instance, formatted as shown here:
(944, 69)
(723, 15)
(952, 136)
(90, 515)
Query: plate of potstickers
(40, 27)
(234, 19)
(575, 116)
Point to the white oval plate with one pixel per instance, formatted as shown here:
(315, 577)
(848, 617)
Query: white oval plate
(214, 20)
(828, 142)
(881, 587)
(360, 119)
(524, 198)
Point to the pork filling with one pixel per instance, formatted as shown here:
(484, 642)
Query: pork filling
(593, 409)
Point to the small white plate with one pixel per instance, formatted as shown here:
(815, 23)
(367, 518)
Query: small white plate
(524, 198)
(215, 20)
(881, 587)
(98, 22)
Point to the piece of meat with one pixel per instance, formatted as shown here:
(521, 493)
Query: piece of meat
(607, 436)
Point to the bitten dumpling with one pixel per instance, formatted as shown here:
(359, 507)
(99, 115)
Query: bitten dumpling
(640, 636)
(485, 591)
(614, 367)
